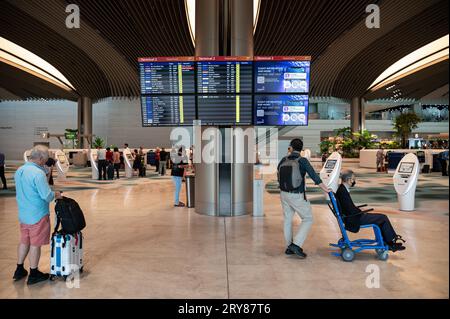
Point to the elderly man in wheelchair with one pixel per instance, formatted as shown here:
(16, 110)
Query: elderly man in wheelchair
(353, 217)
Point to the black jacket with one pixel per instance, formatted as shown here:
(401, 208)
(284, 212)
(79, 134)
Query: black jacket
(351, 214)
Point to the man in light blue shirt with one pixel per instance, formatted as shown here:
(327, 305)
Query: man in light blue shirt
(33, 195)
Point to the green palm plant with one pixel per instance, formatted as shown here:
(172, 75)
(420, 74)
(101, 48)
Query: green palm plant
(404, 124)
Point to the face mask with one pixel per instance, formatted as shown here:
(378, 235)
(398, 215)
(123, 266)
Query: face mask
(353, 183)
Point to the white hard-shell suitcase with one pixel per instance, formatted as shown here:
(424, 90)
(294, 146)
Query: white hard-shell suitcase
(66, 254)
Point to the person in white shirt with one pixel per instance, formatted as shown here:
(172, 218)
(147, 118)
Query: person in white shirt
(101, 162)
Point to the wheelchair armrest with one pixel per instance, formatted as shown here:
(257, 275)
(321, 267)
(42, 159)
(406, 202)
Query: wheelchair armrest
(361, 206)
(367, 210)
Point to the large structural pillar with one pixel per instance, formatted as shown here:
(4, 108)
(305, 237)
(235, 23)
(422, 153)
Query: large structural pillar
(84, 121)
(357, 115)
(224, 188)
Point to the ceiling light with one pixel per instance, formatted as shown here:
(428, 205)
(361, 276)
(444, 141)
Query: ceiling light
(430, 54)
(18, 57)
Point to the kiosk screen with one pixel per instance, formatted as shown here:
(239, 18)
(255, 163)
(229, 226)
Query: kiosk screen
(406, 168)
(330, 164)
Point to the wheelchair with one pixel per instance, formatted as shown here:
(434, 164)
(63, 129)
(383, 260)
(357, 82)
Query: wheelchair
(348, 248)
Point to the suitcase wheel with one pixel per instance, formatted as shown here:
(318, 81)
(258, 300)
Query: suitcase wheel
(81, 270)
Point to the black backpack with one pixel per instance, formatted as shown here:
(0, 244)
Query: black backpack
(69, 215)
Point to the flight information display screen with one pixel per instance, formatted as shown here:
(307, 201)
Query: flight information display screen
(224, 75)
(282, 74)
(225, 109)
(281, 109)
(168, 110)
(167, 75)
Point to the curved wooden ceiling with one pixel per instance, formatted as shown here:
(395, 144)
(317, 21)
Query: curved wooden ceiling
(100, 58)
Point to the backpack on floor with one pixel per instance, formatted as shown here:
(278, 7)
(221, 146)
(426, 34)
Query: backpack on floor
(289, 176)
(69, 215)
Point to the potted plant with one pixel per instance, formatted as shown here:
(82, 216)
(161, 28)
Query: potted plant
(404, 124)
(98, 142)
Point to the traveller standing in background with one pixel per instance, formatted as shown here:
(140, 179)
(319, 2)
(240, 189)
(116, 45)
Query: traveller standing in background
(109, 155)
(180, 161)
(293, 197)
(116, 161)
(33, 195)
(50, 164)
(443, 159)
(2, 170)
(157, 153)
(380, 159)
(101, 163)
(163, 156)
(137, 164)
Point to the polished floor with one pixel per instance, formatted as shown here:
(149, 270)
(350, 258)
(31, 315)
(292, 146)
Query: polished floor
(137, 245)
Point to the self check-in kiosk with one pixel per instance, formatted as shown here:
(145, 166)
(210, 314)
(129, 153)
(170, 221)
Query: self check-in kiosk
(128, 159)
(306, 154)
(94, 164)
(331, 171)
(405, 181)
(62, 164)
(27, 156)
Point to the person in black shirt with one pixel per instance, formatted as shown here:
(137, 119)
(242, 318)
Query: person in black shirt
(2, 171)
(354, 217)
(50, 164)
(163, 157)
(137, 164)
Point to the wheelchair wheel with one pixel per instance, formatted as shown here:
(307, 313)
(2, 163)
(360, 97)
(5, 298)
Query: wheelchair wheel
(382, 254)
(348, 254)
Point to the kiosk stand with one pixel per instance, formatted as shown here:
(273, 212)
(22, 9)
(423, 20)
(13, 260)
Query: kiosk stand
(405, 181)
(306, 154)
(62, 164)
(258, 192)
(128, 159)
(26, 156)
(331, 171)
(94, 164)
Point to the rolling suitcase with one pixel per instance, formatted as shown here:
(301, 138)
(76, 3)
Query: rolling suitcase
(66, 256)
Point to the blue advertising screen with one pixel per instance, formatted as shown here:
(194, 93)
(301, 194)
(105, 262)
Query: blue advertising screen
(281, 109)
(282, 76)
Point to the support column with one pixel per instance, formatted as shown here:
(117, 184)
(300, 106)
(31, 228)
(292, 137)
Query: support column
(84, 120)
(224, 27)
(357, 114)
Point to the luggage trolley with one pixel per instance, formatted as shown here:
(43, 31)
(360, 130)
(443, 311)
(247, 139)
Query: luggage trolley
(350, 248)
